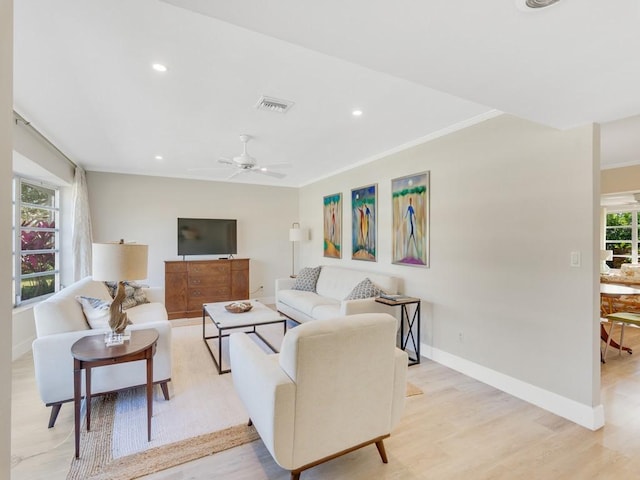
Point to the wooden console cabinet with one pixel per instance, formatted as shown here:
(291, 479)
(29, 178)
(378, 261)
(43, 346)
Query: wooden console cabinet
(189, 284)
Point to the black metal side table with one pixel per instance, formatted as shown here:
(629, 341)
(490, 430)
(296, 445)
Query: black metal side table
(410, 321)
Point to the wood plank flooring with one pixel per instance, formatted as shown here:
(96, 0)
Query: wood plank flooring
(459, 428)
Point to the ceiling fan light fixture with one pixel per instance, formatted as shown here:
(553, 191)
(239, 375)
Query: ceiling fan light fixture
(535, 4)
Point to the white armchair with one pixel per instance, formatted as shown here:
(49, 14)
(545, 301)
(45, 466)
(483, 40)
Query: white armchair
(60, 323)
(337, 385)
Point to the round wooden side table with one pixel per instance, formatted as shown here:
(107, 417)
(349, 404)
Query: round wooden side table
(91, 351)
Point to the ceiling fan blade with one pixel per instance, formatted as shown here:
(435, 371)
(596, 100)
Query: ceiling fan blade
(226, 161)
(235, 174)
(268, 172)
(278, 165)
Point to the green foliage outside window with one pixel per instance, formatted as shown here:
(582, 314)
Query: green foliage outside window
(619, 237)
(37, 241)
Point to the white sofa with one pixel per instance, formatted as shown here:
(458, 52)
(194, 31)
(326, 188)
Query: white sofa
(328, 301)
(336, 385)
(60, 322)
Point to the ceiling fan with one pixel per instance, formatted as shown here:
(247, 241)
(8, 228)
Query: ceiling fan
(245, 163)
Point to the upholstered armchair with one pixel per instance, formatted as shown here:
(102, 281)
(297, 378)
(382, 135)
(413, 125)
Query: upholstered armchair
(336, 386)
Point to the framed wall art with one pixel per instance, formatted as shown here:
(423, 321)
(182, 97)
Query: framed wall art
(364, 221)
(332, 219)
(410, 220)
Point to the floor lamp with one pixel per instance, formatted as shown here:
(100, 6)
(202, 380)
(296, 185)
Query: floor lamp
(117, 262)
(296, 234)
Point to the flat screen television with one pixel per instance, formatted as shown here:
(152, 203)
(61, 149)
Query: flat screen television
(207, 236)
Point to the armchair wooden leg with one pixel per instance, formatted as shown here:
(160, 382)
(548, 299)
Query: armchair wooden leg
(55, 410)
(165, 390)
(382, 451)
(295, 475)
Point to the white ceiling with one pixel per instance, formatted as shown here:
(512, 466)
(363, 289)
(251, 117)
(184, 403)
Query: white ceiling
(83, 77)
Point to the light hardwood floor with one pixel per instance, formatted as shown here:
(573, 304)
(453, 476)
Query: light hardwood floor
(458, 429)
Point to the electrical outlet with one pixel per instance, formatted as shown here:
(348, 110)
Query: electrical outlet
(460, 337)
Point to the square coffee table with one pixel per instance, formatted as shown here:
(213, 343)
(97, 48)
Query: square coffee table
(225, 321)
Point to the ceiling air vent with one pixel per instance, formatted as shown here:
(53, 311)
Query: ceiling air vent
(274, 104)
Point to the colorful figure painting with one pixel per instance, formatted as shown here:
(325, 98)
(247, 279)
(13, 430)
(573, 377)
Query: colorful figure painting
(410, 207)
(332, 214)
(363, 224)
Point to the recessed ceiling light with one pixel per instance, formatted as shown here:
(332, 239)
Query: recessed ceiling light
(158, 157)
(158, 67)
(356, 113)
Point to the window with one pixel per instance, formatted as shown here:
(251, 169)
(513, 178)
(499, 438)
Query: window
(621, 236)
(35, 240)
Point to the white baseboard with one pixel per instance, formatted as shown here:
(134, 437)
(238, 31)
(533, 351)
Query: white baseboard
(21, 348)
(584, 415)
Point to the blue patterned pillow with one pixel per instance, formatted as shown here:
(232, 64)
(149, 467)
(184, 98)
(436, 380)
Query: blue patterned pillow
(307, 279)
(365, 289)
(96, 311)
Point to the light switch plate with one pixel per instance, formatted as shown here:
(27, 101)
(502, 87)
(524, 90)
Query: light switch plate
(575, 259)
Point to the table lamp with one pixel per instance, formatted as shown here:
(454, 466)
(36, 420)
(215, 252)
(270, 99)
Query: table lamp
(605, 255)
(117, 262)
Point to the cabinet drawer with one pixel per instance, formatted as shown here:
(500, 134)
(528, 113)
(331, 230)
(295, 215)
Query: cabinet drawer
(200, 281)
(209, 268)
(198, 296)
(208, 292)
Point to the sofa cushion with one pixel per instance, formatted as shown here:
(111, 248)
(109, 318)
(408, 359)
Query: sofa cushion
(96, 311)
(326, 311)
(365, 289)
(306, 279)
(304, 302)
(147, 312)
(134, 293)
(337, 282)
(62, 312)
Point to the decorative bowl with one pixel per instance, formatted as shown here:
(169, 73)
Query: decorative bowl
(238, 307)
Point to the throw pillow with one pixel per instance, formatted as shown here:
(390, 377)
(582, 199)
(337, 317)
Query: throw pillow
(96, 311)
(307, 279)
(365, 289)
(134, 293)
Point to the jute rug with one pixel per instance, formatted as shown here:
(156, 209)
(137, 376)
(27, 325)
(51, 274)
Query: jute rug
(97, 462)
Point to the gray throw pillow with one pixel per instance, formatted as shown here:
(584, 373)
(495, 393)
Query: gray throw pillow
(365, 289)
(307, 279)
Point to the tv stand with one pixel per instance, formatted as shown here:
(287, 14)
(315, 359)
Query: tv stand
(189, 284)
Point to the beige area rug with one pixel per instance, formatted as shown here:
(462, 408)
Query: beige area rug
(97, 462)
(204, 416)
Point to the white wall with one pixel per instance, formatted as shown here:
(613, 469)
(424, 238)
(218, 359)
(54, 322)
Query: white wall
(509, 201)
(35, 159)
(145, 209)
(6, 104)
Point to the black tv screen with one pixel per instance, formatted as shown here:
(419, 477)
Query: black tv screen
(207, 236)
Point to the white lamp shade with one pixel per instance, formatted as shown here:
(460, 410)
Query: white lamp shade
(113, 262)
(298, 234)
